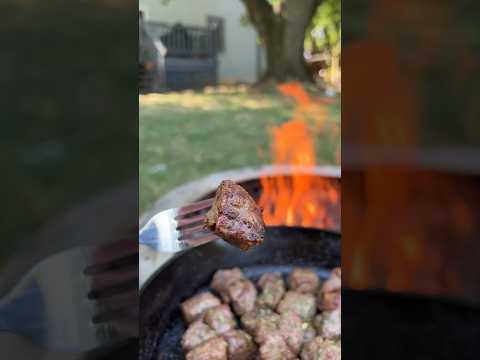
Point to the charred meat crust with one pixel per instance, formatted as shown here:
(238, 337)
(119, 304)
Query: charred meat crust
(235, 217)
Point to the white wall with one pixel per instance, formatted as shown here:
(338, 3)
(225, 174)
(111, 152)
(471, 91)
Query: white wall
(238, 61)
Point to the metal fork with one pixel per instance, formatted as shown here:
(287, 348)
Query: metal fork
(178, 229)
(78, 300)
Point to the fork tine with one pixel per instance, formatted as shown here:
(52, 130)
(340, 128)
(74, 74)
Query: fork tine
(130, 260)
(105, 256)
(128, 298)
(114, 289)
(192, 230)
(200, 205)
(188, 221)
(110, 278)
(201, 240)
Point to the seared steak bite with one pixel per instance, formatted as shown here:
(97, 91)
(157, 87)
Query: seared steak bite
(273, 289)
(235, 216)
(220, 319)
(329, 296)
(222, 279)
(303, 323)
(243, 295)
(303, 280)
(194, 307)
(240, 345)
(302, 304)
(275, 348)
(320, 349)
(197, 333)
(329, 324)
(213, 349)
(309, 332)
(250, 319)
(266, 326)
(290, 327)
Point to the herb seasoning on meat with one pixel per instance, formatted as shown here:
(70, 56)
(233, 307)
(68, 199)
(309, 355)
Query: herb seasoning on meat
(273, 319)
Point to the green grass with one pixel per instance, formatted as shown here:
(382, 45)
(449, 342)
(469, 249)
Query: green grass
(184, 136)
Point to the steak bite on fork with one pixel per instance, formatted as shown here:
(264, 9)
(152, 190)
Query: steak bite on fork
(235, 217)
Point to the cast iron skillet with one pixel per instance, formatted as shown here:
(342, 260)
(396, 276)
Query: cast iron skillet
(161, 326)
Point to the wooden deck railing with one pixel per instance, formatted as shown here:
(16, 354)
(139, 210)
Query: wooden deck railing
(184, 41)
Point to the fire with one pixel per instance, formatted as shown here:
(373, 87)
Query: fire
(301, 199)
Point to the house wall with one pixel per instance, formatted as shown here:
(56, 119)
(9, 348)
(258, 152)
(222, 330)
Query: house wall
(238, 61)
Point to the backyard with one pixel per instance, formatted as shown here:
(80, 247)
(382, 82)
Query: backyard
(187, 135)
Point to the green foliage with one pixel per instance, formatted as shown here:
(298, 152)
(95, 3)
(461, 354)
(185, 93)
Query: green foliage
(245, 20)
(325, 31)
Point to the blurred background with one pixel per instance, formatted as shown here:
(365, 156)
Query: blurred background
(208, 81)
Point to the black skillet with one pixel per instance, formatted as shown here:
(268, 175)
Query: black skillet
(161, 326)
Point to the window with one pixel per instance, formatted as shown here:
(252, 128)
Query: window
(217, 25)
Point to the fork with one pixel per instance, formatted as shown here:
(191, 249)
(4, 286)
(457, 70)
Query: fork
(178, 229)
(78, 300)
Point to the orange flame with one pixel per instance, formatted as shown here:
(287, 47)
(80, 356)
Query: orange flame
(300, 199)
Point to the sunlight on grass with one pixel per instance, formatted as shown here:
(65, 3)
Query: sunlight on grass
(206, 102)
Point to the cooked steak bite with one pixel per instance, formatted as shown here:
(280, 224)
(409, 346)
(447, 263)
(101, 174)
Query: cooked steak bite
(302, 304)
(213, 349)
(320, 349)
(275, 348)
(266, 326)
(235, 216)
(222, 279)
(243, 295)
(240, 345)
(303, 280)
(194, 307)
(274, 324)
(220, 319)
(250, 319)
(329, 296)
(290, 327)
(273, 289)
(197, 333)
(309, 332)
(329, 324)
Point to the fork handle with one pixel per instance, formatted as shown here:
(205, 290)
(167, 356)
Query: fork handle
(158, 237)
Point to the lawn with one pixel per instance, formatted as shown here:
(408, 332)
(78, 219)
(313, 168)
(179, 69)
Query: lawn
(184, 136)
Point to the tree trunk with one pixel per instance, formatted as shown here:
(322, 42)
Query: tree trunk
(283, 35)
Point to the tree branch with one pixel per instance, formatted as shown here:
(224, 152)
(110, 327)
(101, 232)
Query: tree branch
(260, 13)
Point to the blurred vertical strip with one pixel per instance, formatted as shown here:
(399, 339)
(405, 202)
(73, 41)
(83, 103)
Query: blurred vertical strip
(411, 173)
(69, 138)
